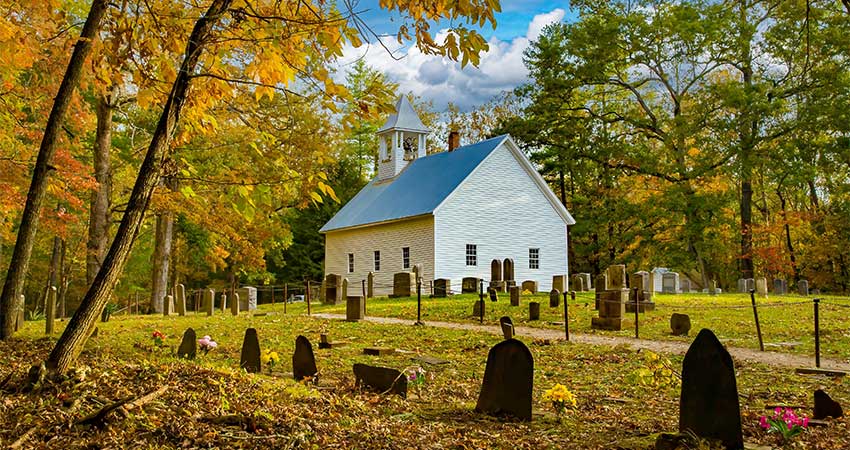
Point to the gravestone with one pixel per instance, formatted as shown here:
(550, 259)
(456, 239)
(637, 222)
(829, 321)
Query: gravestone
(780, 287)
(304, 361)
(515, 296)
(826, 406)
(713, 288)
(559, 282)
(403, 284)
(616, 277)
(577, 283)
(380, 379)
(507, 327)
(749, 285)
(611, 302)
(685, 285)
(601, 286)
(640, 293)
(508, 269)
(344, 289)
(708, 406)
(509, 284)
(234, 304)
(554, 298)
(247, 298)
(529, 285)
(50, 310)
(761, 287)
(250, 356)
(181, 300)
(586, 278)
(508, 381)
(209, 301)
(442, 287)
(478, 308)
(223, 302)
(680, 324)
(495, 270)
(533, 311)
(655, 278)
(332, 289)
(670, 283)
(189, 345)
(355, 308)
(168, 305)
(370, 285)
(742, 286)
(803, 287)
(494, 297)
(469, 285)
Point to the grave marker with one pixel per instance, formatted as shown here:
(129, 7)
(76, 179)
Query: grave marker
(478, 308)
(803, 287)
(780, 287)
(616, 277)
(554, 298)
(586, 278)
(355, 308)
(304, 361)
(761, 287)
(507, 327)
(380, 379)
(496, 276)
(332, 289)
(494, 297)
(181, 300)
(247, 298)
(640, 293)
(685, 285)
(708, 405)
(168, 305)
(250, 357)
(680, 324)
(370, 285)
(533, 311)
(403, 283)
(670, 283)
(529, 285)
(508, 268)
(508, 381)
(223, 302)
(469, 285)
(826, 406)
(234, 304)
(749, 285)
(601, 286)
(515, 295)
(559, 282)
(209, 301)
(442, 287)
(189, 345)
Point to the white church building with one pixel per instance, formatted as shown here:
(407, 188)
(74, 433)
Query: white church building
(451, 212)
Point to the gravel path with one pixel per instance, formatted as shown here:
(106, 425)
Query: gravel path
(674, 347)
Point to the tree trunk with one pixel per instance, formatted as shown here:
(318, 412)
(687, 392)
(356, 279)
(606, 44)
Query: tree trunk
(70, 344)
(161, 260)
(101, 198)
(748, 129)
(746, 266)
(19, 263)
(788, 243)
(63, 282)
(54, 272)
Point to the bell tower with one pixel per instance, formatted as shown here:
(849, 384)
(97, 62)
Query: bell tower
(401, 140)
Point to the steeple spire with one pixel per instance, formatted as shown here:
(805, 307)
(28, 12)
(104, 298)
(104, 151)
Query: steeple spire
(401, 140)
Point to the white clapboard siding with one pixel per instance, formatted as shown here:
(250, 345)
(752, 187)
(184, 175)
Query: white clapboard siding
(501, 210)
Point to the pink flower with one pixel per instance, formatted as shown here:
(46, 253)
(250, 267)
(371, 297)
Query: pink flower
(805, 422)
(763, 422)
(212, 344)
(777, 411)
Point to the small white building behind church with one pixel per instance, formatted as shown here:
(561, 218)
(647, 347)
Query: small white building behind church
(452, 212)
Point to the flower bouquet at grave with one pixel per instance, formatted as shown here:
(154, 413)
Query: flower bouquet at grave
(158, 338)
(784, 422)
(206, 344)
(269, 359)
(415, 377)
(560, 397)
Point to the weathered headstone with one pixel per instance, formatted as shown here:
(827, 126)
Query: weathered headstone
(533, 311)
(508, 269)
(554, 298)
(304, 361)
(442, 287)
(708, 406)
(494, 296)
(826, 406)
(529, 285)
(469, 285)
(761, 287)
(680, 324)
(640, 293)
(168, 305)
(749, 285)
(577, 283)
(670, 283)
(616, 276)
(495, 270)
(685, 285)
(332, 289)
(780, 287)
(803, 287)
(234, 304)
(355, 308)
(250, 357)
(612, 309)
(507, 327)
(370, 285)
(247, 298)
(209, 301)
(343, 290)
(223, 302)
(559, 282)
(742, 286)
(478, 308)
(515, 291)
(508, 381)
(403, 284)
(181, 300)
(50, 310)
(380, 379)
(189, 345)
(586, 277)
(601, 286)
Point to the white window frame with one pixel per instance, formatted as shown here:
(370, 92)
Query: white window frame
(405, 257)
(534, 258)
(351, 263)
(471, 254)
(377, 260)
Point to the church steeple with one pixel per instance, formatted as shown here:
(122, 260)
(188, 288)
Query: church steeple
(401, 140)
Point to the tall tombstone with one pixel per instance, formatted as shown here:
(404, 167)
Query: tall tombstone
(223, 302)
(50, 310)
(577, 282)
(780, 287)
(442, 287)
(247, 298)
(181, 300)
(507, 327)
(508, 381)
(168, 305)
(554, 298)
(530, 286)
(370, 285)
(708, 406)
(616, 276)
(234, 304)
(670, 283)
(533, 311)
(600, 288)
(355, 308)
(209, 301)
(403, 284)
(761, 287)
(685, 285)
(750, 285)
(640, 293)
(803, 287)
(586, 277)
(495, 270)
(189, 345)
(469, 285)
(742, 286)
(508, 269)
(303, 360)
(559, 282)
(250, 356)
(515, 291)
(333, 289)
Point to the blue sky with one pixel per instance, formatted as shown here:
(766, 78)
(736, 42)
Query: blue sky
(441, 80)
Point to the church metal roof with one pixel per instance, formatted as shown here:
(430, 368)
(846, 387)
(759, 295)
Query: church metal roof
(418, 190)
(404, 119)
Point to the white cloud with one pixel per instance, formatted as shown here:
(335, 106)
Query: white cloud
(443, 81)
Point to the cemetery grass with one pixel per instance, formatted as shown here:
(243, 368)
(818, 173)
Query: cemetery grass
(614, 409)
(787, 322)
